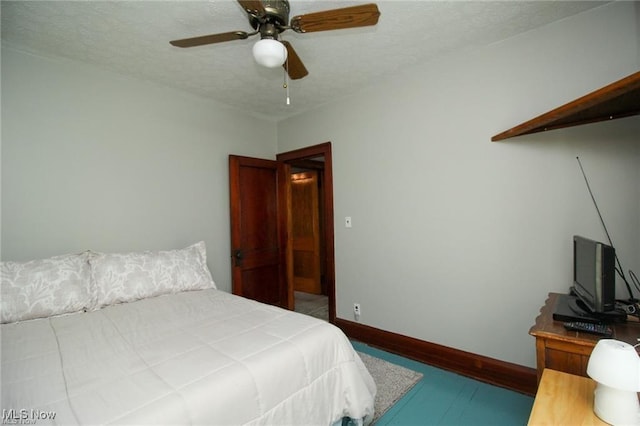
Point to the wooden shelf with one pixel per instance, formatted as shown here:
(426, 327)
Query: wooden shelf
(617, 100)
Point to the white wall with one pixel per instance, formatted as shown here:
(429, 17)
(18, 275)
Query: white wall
(457, 240)
(95, 160)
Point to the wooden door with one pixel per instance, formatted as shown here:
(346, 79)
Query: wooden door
(305, 232)
(258, 193)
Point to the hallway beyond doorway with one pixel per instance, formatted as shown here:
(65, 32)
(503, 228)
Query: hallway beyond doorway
(315, 305)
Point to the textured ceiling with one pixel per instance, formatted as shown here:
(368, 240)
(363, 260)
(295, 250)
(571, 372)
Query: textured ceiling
(132, 37)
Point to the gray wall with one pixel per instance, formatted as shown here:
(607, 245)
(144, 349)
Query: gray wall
(455, 239)
(95, 160)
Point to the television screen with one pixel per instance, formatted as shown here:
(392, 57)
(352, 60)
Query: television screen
(594, 274)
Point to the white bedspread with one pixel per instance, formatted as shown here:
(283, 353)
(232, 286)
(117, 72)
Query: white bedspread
(199, 357)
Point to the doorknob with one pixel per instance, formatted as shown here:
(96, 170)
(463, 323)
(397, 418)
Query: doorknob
(237, 254)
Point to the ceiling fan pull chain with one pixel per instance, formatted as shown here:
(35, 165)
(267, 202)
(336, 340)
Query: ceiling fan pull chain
(285, 85)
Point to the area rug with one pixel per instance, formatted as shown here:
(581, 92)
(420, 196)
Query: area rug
(392, 381)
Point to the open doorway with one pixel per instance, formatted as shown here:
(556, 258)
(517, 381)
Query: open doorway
(307, 226)
(312, 251)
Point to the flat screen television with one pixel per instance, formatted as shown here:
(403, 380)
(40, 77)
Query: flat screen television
(594, 281)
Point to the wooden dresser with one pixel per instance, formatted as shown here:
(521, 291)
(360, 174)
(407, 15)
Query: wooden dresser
(568, 351)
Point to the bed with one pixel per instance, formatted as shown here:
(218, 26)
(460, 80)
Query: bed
(146, 338)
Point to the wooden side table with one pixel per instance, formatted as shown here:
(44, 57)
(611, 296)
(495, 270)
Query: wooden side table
(564, 399)
(569, 351)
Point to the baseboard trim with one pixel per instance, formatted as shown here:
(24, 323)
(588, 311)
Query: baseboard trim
(500, 373)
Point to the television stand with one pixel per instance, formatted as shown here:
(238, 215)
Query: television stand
(563, 350)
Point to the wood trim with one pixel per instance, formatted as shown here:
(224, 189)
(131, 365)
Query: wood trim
(324, 150)
(616, 100)
(500, 373)
(284, 225)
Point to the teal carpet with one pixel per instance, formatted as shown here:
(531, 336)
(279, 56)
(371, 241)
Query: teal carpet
(445, 398)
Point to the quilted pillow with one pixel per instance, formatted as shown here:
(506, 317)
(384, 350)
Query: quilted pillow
(125, 277)
(45, 287)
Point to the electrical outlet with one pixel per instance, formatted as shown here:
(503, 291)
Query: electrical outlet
(347, 222)
(356, 311)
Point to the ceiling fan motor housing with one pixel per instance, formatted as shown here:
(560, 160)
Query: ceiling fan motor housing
(276, 14)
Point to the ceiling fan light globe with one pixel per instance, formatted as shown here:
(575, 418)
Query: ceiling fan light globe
(269, 53)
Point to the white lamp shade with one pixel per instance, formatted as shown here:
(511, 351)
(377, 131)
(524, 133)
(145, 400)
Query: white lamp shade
(615, 364)
(269, 53)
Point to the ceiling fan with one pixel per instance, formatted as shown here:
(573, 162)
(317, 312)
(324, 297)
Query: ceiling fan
(269, 18)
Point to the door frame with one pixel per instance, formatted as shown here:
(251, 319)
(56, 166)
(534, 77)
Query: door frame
(324, 150)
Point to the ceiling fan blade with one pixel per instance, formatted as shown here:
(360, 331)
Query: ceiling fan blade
(336, 19)
(253, 7)
(210, 39)
(294, 66)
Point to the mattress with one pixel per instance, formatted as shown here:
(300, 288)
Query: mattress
(197, 357)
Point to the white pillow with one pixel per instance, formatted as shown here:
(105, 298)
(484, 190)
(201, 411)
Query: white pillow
(125, 277)
(45, 287)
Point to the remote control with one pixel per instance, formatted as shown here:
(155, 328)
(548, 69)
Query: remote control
(599, 329)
